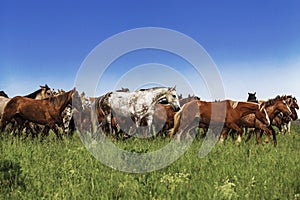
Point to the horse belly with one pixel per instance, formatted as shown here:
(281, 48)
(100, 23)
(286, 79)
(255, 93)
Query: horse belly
(34, 113)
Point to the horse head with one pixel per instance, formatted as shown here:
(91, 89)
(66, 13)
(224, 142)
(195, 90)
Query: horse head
(76, 100)
(282, 106)
(295, 104)
(170, 97)
(252, 97)
(45, 92)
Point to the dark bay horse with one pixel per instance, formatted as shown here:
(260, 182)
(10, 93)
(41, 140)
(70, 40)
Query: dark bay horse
(252, 97)
(44, 112)
(227, 113)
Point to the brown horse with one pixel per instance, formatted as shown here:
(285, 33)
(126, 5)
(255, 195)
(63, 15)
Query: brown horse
(42, 93)
(225, 113)
(163, 117)
(273, 107)
(45, 112)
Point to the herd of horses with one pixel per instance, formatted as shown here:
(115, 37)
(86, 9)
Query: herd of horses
(143, 113)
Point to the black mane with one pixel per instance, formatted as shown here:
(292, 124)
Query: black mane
(3, 94)
(34, 94)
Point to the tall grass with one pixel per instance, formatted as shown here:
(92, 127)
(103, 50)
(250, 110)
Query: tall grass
(66, 170)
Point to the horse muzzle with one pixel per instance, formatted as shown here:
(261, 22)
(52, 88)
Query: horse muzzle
(176, 108)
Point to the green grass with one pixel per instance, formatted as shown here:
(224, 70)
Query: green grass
(66, 170)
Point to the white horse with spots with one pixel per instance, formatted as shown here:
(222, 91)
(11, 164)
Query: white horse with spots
(137, 108)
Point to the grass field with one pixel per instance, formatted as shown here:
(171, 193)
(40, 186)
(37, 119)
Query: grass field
(30, 169)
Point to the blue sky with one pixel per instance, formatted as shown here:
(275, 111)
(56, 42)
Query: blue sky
(255, 44)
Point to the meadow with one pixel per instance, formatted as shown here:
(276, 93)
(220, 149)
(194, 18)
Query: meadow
(30, 169)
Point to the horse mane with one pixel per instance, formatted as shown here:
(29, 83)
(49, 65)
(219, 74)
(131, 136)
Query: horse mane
(59, 98)
(34, 94)
(3, 94)
(148, 89)
(271, 102)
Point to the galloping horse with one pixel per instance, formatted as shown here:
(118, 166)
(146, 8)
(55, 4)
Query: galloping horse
(273, 107)
(282, 120)
(45, 112)
(134, 106)
(227, 113)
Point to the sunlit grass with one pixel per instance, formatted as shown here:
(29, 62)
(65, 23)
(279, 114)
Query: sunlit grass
(66, 170)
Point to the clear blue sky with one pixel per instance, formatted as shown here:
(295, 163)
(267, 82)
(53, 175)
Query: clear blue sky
(255, 44)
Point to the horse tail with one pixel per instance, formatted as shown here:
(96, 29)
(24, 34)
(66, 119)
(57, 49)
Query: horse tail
(9, 111)
(177, 118)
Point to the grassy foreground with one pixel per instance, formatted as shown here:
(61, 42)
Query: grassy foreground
(30, 169)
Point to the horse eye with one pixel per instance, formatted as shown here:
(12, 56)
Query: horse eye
(163, 101)
(174, 96)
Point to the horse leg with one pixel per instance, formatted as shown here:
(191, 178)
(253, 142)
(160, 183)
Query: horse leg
(45, 132)
(258, 135)
(56, 131)
(250, 132)
(289, 127)
(224, 134)
(240, 131)
(270, 131)
(6, 118)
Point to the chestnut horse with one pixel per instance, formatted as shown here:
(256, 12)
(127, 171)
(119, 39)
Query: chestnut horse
(44, 112)
(225, 113)
(273, 107)
(42, 93)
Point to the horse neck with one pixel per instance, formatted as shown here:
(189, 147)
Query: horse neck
(34, 94)
(273, 110)
(61, 101)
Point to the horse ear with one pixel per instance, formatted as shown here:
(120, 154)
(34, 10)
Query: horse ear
(248, 93)
(254, 93)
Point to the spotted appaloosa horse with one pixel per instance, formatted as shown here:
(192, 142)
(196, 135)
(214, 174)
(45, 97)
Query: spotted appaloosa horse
(45, 112)
(134, 107)
(225, 113)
